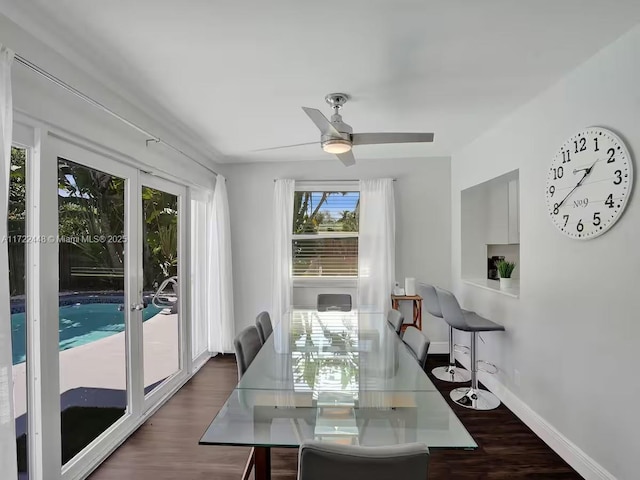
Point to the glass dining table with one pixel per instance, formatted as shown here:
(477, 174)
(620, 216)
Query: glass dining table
(340, 377)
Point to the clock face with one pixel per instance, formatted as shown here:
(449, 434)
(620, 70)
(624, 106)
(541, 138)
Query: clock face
(588, 183)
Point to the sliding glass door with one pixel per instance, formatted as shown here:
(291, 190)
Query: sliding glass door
(94, 214)
(122, 345)
(161, 243)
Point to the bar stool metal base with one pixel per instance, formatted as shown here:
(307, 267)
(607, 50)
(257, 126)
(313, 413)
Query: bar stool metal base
(474, 398)
(451, 373)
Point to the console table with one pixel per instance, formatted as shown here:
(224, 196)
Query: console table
(417, 309)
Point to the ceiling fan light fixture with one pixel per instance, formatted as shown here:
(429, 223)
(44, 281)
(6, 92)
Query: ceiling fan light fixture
(336, 146)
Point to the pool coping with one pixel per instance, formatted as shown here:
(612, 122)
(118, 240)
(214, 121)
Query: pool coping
(18, 303)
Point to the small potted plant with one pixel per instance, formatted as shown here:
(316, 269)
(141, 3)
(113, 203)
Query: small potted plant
(505, 269)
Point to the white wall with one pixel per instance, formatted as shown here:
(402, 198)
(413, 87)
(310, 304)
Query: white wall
(422, 216)
(573, 334)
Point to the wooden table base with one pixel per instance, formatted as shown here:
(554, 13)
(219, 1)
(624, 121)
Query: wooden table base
(262, 463)
(416, 300)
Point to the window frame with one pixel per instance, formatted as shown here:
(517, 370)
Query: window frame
(325, 186)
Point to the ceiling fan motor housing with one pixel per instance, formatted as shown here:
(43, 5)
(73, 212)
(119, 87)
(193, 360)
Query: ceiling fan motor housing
(336, 100)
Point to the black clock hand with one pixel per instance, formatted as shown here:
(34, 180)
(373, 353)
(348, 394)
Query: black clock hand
(586, 174)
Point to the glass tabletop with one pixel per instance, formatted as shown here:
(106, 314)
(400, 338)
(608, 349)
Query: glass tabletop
(356, 351)
(284, 418)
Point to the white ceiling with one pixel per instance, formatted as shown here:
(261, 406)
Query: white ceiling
(236, 72)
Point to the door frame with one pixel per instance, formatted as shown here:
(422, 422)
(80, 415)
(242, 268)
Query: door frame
(89, 158)
(139, 408)
(46, 141)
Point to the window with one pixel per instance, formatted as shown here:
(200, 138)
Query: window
(325, 233)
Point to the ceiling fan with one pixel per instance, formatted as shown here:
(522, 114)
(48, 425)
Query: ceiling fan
(338, 138)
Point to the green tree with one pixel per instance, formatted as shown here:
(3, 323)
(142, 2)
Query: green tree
(17, 192)
(91, 204)
(309, 218)
(160, 211)
(16, 221)
(349, 220)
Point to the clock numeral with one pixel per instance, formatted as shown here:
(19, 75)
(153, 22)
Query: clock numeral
(566, 220)
(618, 180)
(580, 226)
(609, 200)
(583, 145)
(556, 208)
(566, 156)
(596, 218)
(611, 152)
(595, 140)
(558, 173)
(552, 190)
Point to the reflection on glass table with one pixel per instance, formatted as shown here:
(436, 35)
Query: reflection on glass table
(334, 351)
(276, 418)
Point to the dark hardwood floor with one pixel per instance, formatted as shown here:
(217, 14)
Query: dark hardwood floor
(166, 446)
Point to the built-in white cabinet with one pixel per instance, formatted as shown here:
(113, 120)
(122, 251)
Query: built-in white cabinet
(502, 204)
(513, 200)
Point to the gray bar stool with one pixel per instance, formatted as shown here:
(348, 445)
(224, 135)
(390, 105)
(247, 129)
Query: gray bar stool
(472, 396)
(448, 373)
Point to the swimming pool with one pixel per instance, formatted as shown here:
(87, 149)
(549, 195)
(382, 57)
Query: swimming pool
(80, 323)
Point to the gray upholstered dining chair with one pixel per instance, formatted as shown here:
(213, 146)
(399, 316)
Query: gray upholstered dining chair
(418, 344)
(395, 318)
(247, 345)
(472, 396)
(340, 302)
(322, 461)
(263, 324)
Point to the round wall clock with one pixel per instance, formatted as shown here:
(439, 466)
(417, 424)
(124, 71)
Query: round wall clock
(589, 183)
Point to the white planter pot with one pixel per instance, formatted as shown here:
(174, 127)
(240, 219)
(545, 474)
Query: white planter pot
(506, 283)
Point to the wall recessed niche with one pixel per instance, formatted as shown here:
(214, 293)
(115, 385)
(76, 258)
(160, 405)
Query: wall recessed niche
(490, 216)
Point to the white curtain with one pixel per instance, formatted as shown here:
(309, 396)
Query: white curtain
(281, 284)
(8, 463)
(220, 281)
(376, 244)
(200, 292)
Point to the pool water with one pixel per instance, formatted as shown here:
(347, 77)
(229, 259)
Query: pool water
(79, 324)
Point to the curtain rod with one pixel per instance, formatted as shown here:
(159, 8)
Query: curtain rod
(331, 180)
(153, 138)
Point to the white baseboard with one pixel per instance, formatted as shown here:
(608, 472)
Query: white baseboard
(565, 448)
(439, 348)
(200, 361)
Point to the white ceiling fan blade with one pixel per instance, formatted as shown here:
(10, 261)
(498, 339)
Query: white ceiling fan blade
(347, 158)
(285, 146)
(321, 122)
(392, 137)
